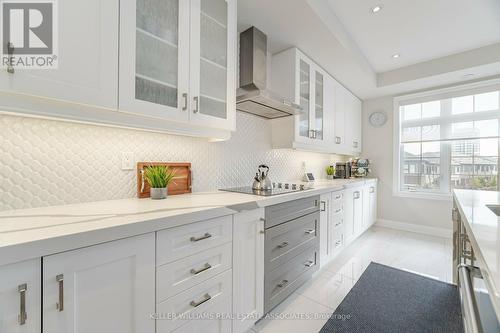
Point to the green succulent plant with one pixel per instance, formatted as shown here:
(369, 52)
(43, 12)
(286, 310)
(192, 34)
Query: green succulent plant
(330, 170)
(158, 176)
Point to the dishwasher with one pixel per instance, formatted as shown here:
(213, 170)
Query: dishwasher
(291, 247)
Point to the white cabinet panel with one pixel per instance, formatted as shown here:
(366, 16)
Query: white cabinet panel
(87, 72)
(248, 269)
(347, 121)
(325, 229)
(20, 297)
(353, 210)
(154, 58)
(103, 288)
(213, 37)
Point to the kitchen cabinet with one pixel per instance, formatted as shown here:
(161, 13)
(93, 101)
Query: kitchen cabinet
(298, 78)
(369, 205)
(347, 121)
(325, 247)
(103, 288)
(248, 269)
(177, 61)
(87, 55)
(20, 297)
(353, 206)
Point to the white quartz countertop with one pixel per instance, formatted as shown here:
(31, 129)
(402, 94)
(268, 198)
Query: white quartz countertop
(483, 229)
(31, 233)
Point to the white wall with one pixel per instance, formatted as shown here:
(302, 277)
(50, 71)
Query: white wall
(378, 147)
(44, 162)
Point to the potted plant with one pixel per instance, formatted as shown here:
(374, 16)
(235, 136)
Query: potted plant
(330, 172)
(158, 178)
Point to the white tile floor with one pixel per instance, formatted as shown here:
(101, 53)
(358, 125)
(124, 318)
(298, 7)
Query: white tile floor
(422, 254)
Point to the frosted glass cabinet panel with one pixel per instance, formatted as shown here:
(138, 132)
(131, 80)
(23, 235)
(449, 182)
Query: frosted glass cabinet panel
(154, 65)
(305, 98)
(319, 106)
(212, 62)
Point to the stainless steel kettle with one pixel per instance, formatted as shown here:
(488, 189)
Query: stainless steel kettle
(261, 180)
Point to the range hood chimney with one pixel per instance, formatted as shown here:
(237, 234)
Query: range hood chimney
(253, 96)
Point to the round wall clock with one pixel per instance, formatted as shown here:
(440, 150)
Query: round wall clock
(378, 119)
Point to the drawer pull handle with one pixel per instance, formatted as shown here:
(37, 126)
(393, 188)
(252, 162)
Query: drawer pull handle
(196, 272)
(323, 209)
(282, 284)
(60, 304)
(338, 210)
(282, 245)
(22, 303)
(372, 189)
(310, 263)
(337, 197)
(310, 231)
(197, 304)
(197, 239)
(338, 223)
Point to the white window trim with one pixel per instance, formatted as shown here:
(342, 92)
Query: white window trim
(396, 170)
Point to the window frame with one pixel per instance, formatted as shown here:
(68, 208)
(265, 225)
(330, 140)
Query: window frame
(445, 176)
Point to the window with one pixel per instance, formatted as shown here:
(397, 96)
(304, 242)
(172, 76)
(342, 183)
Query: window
(446, 140)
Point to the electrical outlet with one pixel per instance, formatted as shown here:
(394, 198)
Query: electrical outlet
(128, 161)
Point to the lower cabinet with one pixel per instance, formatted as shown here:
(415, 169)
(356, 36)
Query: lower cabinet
(100, 289)
(325, 229)
(248, 269)
(369, 205)
(20, 297)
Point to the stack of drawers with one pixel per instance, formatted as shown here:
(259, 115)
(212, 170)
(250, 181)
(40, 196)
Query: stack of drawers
(291, 248)
(194, 276)
(337, 222)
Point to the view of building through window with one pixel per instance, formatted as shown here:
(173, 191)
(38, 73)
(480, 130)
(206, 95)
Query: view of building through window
(450, 143)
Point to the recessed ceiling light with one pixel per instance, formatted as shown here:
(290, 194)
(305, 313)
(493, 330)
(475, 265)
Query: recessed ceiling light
(397, 55)
(376, 9)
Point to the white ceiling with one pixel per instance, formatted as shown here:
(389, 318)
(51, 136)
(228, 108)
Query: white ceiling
(419, 30)
(355, 46)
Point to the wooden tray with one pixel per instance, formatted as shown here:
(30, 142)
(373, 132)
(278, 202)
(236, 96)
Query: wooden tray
(180, 185)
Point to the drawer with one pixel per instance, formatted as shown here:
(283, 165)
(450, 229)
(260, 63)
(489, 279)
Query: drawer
(337, 213)
(193, 303)
(285, 279)
(290, 210)
(210, 325)
(337, 197)
(183, 241)
(286, 240)
(338, 242)
(185, 273)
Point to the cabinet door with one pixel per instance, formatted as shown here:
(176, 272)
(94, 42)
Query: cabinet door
(103, 288)
(356, 110)
(248, 269)
(154, 58)
(358, 211)
(373, 203)
(340, 116)
(20, 297)
(367, 217)
(87, 71)
(324, 229)
(319, 105)
(305, 98)
(348, 215)
(212, 63)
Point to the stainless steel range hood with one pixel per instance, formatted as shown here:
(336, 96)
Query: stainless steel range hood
(253, 96)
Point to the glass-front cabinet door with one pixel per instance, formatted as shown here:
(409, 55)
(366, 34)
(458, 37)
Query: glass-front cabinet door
(213, 53)
(154, 58)
(304, 126)
(319, 105)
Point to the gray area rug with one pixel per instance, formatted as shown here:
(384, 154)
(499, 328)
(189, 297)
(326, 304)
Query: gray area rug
(389, 300)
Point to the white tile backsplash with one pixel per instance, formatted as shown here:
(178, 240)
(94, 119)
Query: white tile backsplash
(46, 162)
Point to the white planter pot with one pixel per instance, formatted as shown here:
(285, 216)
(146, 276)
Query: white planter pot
(158, 193)
(329, 177)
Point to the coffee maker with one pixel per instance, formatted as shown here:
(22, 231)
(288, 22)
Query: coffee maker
(342, 170)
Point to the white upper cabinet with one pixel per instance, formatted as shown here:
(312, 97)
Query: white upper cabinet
(213, 63)
(20, 297)
(87, 71)
(347, 122)
(154, 58)
(298, 78)
(330, 120)
(177, 60)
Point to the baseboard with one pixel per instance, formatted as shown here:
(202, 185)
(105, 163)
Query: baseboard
(420, 229)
